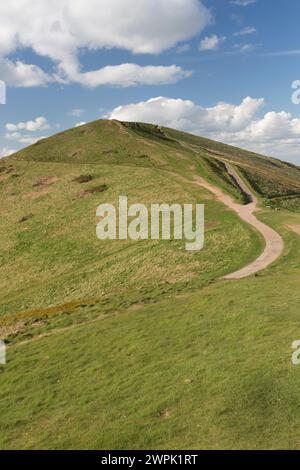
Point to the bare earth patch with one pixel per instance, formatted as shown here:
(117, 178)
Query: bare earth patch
(97, 189)
(83, 179)
(46, 181)
(25, 218)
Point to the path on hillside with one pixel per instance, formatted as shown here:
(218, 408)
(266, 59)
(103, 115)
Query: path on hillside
(274, 243)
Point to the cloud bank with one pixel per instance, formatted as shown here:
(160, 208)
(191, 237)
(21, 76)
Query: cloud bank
(17, 132)
(272, 133)
(61, 30)
(38, 124)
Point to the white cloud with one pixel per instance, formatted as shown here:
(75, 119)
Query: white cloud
(243, 3)
(275, 133)
(18, 74)
(126, 75)
(244, 47)
(245, 31)
(23, 139)
(186, 115)
(81, 123)
(17, 132)
(210, 43)
(60, 29)
(39, 124)
(6, 152)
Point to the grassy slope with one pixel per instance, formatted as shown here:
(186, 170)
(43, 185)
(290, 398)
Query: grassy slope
(176, 360)
(54, 257)
(277, 182)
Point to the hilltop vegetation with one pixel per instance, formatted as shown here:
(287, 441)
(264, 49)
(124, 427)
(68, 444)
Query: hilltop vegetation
(126, 344)
(148, 146)
(272, 179)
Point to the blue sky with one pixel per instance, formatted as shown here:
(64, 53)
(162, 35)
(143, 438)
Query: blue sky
(218, 68)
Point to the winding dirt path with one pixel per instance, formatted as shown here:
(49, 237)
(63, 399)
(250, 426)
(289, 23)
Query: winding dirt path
(274, 243)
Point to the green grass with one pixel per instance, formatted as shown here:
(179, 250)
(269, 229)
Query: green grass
(272, 179)
(140, 345)
(55, 258)
(210, 369)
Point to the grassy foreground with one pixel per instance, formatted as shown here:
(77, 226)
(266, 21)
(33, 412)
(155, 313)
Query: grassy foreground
(141, 345)
(210, 369)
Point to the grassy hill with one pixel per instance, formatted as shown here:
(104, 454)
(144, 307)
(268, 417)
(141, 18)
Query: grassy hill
(126, 344)
(148, 146)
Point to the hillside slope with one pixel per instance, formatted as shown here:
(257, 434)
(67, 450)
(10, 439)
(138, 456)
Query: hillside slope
(149, 146)
(50, 193)
(140, 343)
